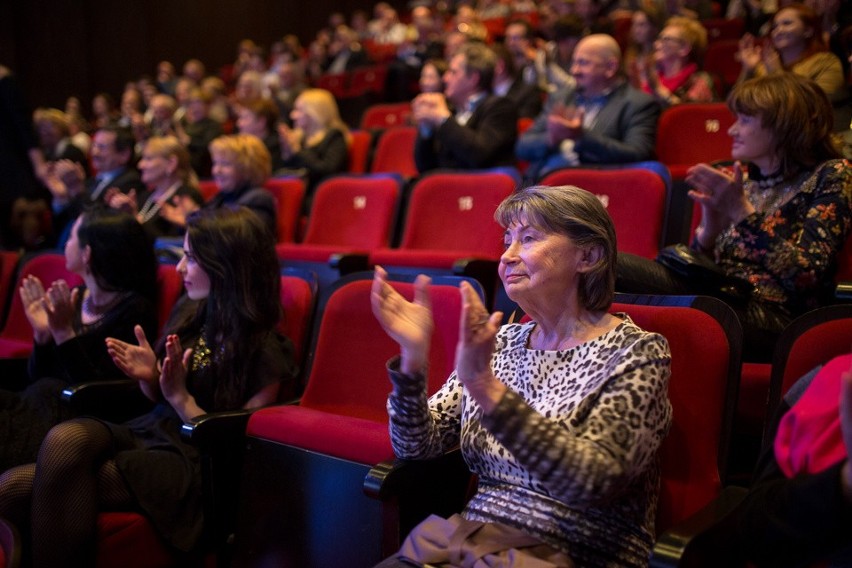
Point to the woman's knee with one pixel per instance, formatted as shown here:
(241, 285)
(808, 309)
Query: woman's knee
(72, 443)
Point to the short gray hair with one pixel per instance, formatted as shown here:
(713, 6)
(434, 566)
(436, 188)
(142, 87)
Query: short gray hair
(578, 214)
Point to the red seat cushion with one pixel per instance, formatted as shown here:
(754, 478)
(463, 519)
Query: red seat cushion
(128, 540)
(325, 431)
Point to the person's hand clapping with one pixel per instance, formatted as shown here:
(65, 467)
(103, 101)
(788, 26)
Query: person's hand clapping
(174, 371)
(408, 323)
(477, 333)
(33, 299)
(59, 305)
(138, 362)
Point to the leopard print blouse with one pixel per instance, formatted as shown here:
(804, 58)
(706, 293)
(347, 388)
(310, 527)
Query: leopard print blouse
(569, 453)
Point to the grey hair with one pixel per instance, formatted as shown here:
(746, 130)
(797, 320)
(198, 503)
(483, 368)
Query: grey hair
(579, 214)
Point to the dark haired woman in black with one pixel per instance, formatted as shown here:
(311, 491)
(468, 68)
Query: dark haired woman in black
(220, 352)
(114, 257)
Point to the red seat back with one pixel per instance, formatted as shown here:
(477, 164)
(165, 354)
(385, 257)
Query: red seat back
(702, 390)
(347, 375)
(16, 339)
(635, 198)
(720, 60)
(691, 133)
(723, 29)
(335, 83)
(455, 211)
(387, 115)
(297, 302)
(359, 151)
(395, 152)
(368, 81)
(356, 212)
(8, 267)
(289, 193)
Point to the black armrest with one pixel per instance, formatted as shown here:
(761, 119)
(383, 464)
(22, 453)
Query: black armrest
(347, 263)
(214, 429)
(843, 292)
(115, 400)
(685, 544)
(438, 486)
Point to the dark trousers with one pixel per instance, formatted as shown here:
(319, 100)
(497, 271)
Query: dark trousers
(762, 322)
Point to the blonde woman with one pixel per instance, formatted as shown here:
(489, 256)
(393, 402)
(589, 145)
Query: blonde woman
(674, 76)
(319, 141)
(241, 165)
(169, 178)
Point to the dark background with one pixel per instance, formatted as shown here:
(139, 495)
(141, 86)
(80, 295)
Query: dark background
(81, 47)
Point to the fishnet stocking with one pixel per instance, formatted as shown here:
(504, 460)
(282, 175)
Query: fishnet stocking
(73, 479)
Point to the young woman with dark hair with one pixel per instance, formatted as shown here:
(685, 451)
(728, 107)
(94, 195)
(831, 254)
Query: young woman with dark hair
(220, 352)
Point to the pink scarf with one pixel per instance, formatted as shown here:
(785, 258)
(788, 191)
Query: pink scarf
(809, 437)
(676, 81)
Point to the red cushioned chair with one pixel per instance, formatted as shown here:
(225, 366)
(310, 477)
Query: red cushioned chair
(691, 133)
(16, 339)
(359, 151)
(720, 60)
(169, 288)
(369, 81)
(350, 216)
(635, 198)
(303, 498)
(289, 193)
(335, 83)
(395, 152)
(705, 339)
(449, 226)
(723, 28)
(386, 115)
(811, 340)
(10, 545)
(126, 538)
(8, 268)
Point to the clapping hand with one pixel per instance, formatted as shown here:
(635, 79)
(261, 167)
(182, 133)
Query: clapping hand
(477, 334)
(138, 362)
(33, 298)
(408, 323)
(122, 201)
(564, 123)
(59, 305)
(173, 373)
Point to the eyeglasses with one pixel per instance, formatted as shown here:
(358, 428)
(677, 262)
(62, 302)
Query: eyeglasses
(669, 39)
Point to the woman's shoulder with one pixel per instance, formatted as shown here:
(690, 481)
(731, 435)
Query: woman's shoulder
(631, 337)
(831, 176)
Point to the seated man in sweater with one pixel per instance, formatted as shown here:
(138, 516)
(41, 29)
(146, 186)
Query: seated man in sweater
(482, 131)
(600, 120)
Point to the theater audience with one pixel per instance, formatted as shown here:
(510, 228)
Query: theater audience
(775, 221)
(112, 158)
(220, 352)
(508, 83)
(560, 418)
(466, 127)
(260, 118)
(54, 135)
(169, 179)
(291, 82)
(432, 76)
(112, 255)
(553, 61)
(602, 120)
(318, 143)
(197, 130)
(646, 23)
(241, 165)
(674, 76)
(796, 44)
(103, 111)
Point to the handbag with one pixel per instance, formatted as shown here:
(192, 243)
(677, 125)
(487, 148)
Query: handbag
(703, 273)
(457, 542)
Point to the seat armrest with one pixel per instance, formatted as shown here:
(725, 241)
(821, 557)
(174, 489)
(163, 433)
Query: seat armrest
(347, 263)
(843, 292)
(114, 400)
(680, 545)
(213, 429)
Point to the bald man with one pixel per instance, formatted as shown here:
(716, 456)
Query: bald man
(600, 120)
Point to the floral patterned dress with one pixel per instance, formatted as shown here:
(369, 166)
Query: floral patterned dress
(788, 248)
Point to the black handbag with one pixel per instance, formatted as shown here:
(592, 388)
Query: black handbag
(703, 273)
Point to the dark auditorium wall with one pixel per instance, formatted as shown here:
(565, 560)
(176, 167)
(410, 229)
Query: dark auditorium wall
(81, 47)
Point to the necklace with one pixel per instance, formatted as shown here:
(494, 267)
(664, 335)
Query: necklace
(92, 313)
